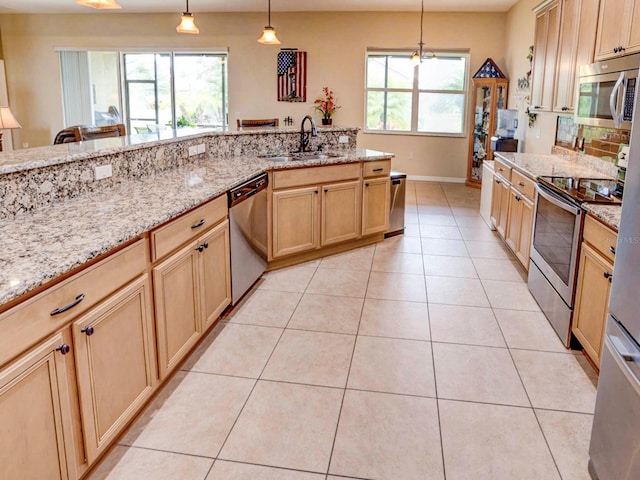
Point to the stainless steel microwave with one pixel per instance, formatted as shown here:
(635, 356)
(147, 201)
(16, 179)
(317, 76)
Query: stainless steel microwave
(606, 92)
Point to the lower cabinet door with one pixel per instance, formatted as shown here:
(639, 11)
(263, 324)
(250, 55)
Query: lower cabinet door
(115, 363)
(340, 212)
(376, 198)
(35, 415)
(592, 301)
(216, 273)
(514, 212)
(296, 226)
(496, 197)
(176, 285)
(526, 229)
(503, 215)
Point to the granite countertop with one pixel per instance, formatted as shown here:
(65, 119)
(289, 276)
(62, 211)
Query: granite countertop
(535, 165)
(608, 214)
(42, 245)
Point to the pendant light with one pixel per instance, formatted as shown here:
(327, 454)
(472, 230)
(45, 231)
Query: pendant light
(188, 23)
(416, 57)
(102, 4)
(269, 33)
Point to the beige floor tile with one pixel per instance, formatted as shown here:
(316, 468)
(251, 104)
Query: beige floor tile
(286, 425)
(494, 250)
(440, 231)
(431, 200)
(528, 331)
(456, 291)
(389, 318)
(466, 211)
(504, 270)
(411, 218)
(392, 365)
(444, 266)
(470, 221)
(433, 210)
(397, 262)
(396, 286)
(180, 421)
(477, 374)
(266, 307)
(493, 442)
(438, 246)
(468, 325)
(223, 470)
(388, 437)
(241, 350)
(339, 282)
(313, 358)
(327, 314)
(292, 279)
(479, 234)
(443, 220)
(568, 437)
(126, 463)
(359, 259)
(510, 295)
(557, 381)
(400, 243)
(411, 229)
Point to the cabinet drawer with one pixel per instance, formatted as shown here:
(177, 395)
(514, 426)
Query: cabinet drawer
(315, 175)
(503, 169)
(600, 237)
(33, 320)
(525, 185)
(187, 227)
(378, 168)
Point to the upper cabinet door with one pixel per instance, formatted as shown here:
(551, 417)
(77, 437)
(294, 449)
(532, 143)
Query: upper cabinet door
(545, 52)
(633, 42)
(618, 28)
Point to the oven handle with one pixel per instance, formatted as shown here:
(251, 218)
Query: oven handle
(558, 201)
(613, 101)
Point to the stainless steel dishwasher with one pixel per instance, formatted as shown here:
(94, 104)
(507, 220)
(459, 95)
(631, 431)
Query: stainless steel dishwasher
(248, 232)
(398, 194)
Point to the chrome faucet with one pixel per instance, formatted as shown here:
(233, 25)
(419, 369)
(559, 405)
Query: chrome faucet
(305, 137)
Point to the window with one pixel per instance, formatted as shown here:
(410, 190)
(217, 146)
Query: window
(426, 99)
(153, 90)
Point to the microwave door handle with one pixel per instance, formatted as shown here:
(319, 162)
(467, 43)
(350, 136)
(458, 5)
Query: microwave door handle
(613, 101)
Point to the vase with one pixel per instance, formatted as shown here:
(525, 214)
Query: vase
(327, 121)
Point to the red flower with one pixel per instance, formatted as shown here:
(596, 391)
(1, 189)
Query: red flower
(326, 105)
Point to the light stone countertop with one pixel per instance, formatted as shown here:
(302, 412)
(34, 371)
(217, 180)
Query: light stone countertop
(39, 246)
(537, 165)
(608, 214)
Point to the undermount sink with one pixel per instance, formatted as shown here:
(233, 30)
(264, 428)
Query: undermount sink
(299, 156)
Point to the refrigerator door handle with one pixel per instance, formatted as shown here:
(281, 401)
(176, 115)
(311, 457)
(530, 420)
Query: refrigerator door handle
(621, 350)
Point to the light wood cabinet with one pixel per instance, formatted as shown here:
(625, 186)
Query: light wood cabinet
(500, 204)
(545, 50)
(35, 415)
(296, 226)
(340, 212)
(216, 273)
(519, 225)
(375, 205)
(576, 47)
(115, 363)
(618, 28)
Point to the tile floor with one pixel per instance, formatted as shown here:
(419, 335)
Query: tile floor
(422, 357)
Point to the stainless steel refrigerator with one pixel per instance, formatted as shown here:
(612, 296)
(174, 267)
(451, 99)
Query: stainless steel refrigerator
(615, 440)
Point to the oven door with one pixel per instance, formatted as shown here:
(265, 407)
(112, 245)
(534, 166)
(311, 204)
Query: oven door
(556, 241)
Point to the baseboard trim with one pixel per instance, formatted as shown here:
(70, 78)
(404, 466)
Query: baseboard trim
(423, 178)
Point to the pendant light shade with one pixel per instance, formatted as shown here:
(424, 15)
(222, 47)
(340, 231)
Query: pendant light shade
(417, 56)
(269, 33)
(103, 4)
(187, 23)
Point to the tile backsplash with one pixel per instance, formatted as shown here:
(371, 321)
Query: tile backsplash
(596, 141)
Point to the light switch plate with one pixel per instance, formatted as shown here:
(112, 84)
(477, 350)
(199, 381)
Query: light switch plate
(103, 171)
(193, 150)
(623, 156)
(343, 139)
(201, 148)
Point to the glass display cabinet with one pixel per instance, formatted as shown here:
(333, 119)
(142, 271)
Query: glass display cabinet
(489, 94)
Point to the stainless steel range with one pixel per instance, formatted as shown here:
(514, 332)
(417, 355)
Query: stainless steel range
(555, 249)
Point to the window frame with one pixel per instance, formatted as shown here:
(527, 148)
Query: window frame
(416, 91)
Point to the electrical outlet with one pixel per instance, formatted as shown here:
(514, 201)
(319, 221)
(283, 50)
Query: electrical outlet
(25, 145)
(193, 150)
(201, 148)
(103, 171)
(343, 139)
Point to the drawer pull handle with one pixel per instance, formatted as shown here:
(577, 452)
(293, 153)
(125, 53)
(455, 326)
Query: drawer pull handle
(612, 250)
(521, 184)
(88, 331)
(60, 310)
(63, 349)
(199, 224)
(378, 169)
(326, 190)
(366, 184)
(608, 275)
(501, 169)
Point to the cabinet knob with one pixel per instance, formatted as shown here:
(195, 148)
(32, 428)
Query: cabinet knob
(608, 276)
(205, 244)
(612, 250)
(63, 349)
(88, 330)
(615, 49)
(498, 181)
(326, 190)
(521, 184)
(366, 184)
(518, 197)
(199, 248)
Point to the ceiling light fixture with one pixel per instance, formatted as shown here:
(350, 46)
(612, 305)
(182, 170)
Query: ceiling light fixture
(103, 4)
(269, 33)
(417, 56)
(187, 23)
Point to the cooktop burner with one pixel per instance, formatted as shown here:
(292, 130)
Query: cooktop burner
(594, 190)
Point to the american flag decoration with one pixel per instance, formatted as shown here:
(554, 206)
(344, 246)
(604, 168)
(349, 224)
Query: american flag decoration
(292, 75)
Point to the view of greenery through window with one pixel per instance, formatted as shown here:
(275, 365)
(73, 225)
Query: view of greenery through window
(428, 98)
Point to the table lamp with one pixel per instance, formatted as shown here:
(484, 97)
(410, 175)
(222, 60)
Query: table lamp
(7, 121)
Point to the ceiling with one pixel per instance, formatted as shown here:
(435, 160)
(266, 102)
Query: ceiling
(171, 6)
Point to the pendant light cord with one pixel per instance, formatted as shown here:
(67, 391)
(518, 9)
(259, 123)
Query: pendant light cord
(188, 11)
(421, 23)
(269, 23)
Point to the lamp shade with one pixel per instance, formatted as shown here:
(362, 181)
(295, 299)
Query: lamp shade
(187, 24)
(269, 36)
(7, 120)
(105, 4)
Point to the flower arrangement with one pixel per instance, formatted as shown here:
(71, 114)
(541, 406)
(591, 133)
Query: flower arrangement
(326, 104)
